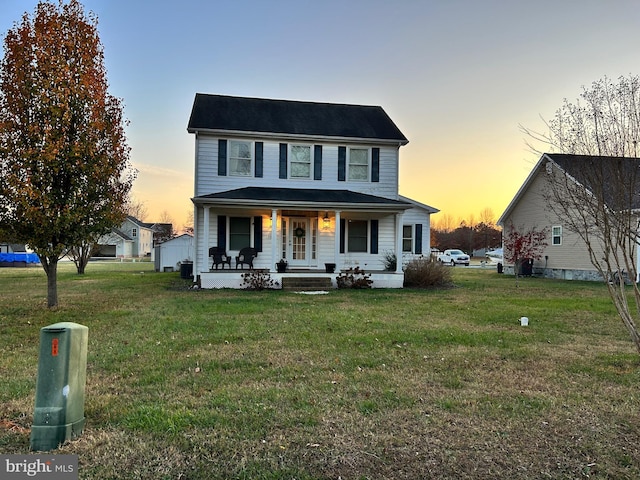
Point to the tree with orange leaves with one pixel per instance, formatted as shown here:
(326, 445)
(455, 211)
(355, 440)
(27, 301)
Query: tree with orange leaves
(65, 174)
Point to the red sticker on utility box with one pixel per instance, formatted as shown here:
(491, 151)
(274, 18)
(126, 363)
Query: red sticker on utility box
(54, 347)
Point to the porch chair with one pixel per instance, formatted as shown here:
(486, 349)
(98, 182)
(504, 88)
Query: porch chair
(220, 257)
(246, 256)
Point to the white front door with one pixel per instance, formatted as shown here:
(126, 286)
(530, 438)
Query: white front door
(298, 242)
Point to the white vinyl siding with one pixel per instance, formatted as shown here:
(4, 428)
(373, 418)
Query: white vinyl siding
(208, 181)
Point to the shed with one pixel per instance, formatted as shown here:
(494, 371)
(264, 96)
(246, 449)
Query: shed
(172, 253)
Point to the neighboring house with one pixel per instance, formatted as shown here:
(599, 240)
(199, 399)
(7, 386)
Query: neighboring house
(312, 183)
(566, 255)
(134, 239)
(171, 254)
(12, 248)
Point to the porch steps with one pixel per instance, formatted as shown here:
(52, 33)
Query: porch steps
(306, 284)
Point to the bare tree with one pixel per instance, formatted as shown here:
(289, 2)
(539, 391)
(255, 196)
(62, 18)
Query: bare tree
(136, 209)
(188, 226)
(596, 191)
(487, 217)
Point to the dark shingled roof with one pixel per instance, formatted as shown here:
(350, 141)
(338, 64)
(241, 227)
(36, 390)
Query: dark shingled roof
(302, 195)
(616, 172)
(260, 115)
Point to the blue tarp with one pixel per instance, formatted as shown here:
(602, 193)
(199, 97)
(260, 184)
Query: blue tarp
(19, 257)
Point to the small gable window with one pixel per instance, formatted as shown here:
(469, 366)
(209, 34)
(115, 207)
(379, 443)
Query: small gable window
(134, 232)
(240, 158)
(358, 164)
(300, 161)
(556, 235)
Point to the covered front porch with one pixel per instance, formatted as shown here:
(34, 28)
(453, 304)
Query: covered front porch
(307, 231)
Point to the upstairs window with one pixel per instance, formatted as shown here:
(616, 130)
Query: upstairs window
(556, 235)
(134, 232)
(300, 161)
(240, 158)
(358, 164)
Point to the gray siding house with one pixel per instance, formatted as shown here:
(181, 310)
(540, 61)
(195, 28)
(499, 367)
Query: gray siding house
(566, 255)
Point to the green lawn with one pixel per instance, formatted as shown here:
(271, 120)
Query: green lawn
(364, 384)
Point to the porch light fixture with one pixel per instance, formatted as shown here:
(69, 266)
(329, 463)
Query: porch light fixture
(326, 222)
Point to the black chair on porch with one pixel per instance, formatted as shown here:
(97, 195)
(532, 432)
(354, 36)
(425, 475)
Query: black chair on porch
(246, 256)
(220, 257)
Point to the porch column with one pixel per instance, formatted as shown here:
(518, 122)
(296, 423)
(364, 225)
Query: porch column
(274, 240)
(196, 233)
(398, 242)
(336, 242)
(205, 256)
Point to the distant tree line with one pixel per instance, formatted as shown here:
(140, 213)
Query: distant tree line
(468, 235)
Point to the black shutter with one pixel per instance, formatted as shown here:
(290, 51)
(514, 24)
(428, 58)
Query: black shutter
(375, 164)
(343, 237)
(222, 157)
(342, 164)
(317, 162)
(283, 160)
(222, 232)
(257, 233)
(258, 167)
(374, 236)
(418, 245)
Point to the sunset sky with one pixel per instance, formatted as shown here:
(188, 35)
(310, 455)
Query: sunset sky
(458, 77)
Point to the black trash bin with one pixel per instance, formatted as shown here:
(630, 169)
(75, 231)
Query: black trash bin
(500, 268)
(186, 270)
(526, 267)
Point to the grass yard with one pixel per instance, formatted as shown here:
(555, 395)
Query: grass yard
(365, 384)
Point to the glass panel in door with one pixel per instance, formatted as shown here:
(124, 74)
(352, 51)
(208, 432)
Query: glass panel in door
(299, 242)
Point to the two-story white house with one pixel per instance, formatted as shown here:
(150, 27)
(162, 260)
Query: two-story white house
(311, 183)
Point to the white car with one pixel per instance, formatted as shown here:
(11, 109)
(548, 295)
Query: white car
(454, 257)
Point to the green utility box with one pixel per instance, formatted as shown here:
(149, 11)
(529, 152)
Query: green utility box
(62, 372)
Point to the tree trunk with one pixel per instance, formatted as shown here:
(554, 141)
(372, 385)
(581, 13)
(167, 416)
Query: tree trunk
(51, 268)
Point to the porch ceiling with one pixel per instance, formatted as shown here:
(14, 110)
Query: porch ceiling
(296, 198)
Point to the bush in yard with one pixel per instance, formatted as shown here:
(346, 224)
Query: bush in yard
(390, 261)
(354, 278)
(258, 280)
(425, 272)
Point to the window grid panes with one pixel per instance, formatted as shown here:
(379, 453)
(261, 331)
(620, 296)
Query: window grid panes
(357, 236)
(407, 238)
(556, 235)
(300, 161)
(240, 158)
(239, 232)
(358, 164)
